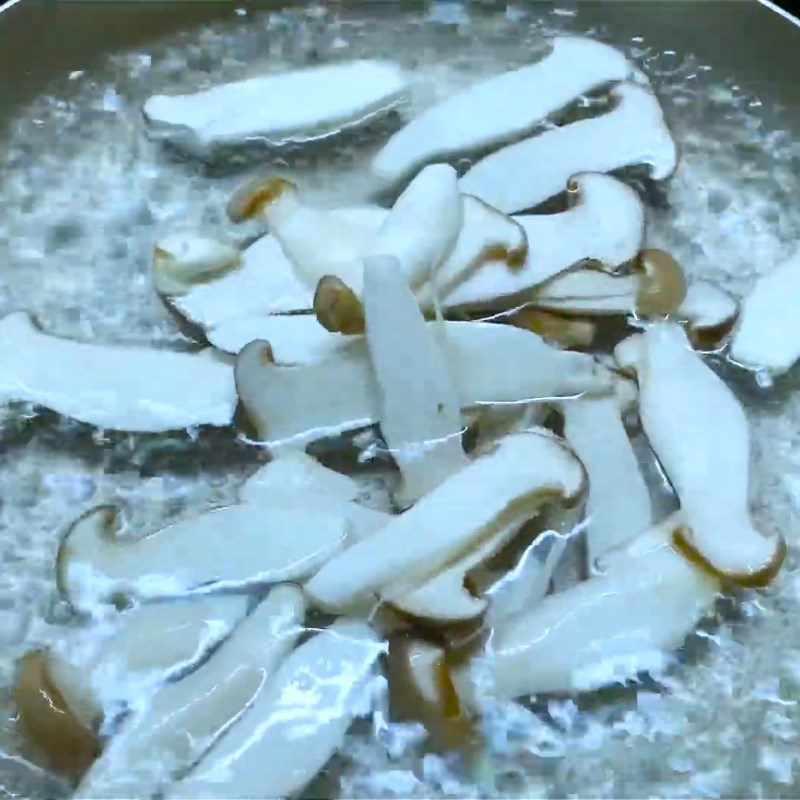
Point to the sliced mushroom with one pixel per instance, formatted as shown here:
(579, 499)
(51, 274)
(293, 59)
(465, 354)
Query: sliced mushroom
(491, 364)
(503, 107)
(116, 387)
(618, 506)
(229, 547)
(421, 690)
(182, 260)
(700, 434)
(183, 720)
(419, 408)
(266, 281)
(294, 338)
(603, 631)
(296, 723)
(628, 353)
(286, 107)
(63, 693)
(294, 477)
(662, 285)
(524, 472)
(768, 334)
(337, 307)
(525, 174)
(605, 224)
(566, 332)
(711, 313)
(446, 598)
(588, 292)
(67, 742)
(409, 232)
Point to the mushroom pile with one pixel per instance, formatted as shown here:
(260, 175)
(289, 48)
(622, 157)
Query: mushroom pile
(499, 360)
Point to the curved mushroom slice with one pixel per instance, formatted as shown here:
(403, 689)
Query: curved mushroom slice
(266, 281)
(525, 174)
(422, 227)
(711, 313)
(337, 307)
(700, 434)
(229, 547)
(618, 506)
(511, 482)
(182, 260)
(445, 598)
(62, 697)
(117, 387)
(602, 631)
(503, 107)
(294, 477)
(285, 107)
(604, 224)
(420, 413)
(294, 338)
(421, 690)
(183, 720)
(768, 334)
(588, 292)
(628, 353)
(487, 236)
(296, 723)
(491, 364)
(555, 329)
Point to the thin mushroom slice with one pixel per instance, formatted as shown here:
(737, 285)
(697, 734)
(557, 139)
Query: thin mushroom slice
(700, 434)
(503, 107)
(62, 694)
(556, 329)
(446, 598)
(420, 412)
(294, 338)
(266, 281)
(767, 337)
(487, 237)
(234, 546)
(525, 174)
(284, 107)
(618, 506)
(296, 723)
(490, 364)
(605, 224)
(421, 690)
(117, 387)
(183, 720)
(628, 353)
(710, 313)
(182, 260)
(514, 480)
(603, 631)
(423, 225)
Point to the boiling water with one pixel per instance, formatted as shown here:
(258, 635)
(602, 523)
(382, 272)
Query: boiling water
(83, 194)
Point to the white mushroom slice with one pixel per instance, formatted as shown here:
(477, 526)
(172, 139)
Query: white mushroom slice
(294, 477)
(266, 281)
(183, 720)
(514, 480)
(118, 387)
(445, 597)
(296, 723)
(605, 224)
(525, 174)
(284, 107)
(229, 547)
(422, 226)
(491, 364)
(710, 312)
(62, 694)
(183, 260)
(589, 292)
(628, 353)
(602, 631)
(768, 334)
(140, 649)
(420, 413)
(618, 506)
(487, 237)
(700, 434)
(557, 329)
(503, 107)
(294, 338)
